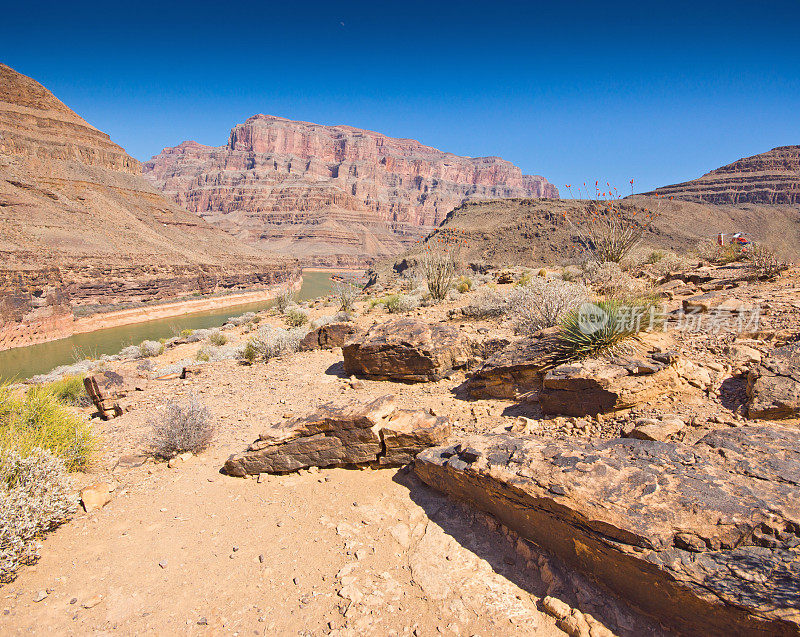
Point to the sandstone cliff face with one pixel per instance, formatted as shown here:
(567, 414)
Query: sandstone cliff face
(768, 178)
(329, 194)
(81, 230)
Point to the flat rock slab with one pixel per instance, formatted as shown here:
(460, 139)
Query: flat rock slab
(705, 538)
(598, 386)
(774, 386)
(514, 372)
(330, 336)
(407, 350)
(350, 434)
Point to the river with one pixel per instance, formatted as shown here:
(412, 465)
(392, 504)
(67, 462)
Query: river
(24, 362)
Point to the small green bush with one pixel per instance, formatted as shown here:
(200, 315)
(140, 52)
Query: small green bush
(217, 338)
(69, 389)
(249, 352)
(464, 285)
(41, 420)
(186, 333)
(295, 317)
(400, 303)
(148, 349)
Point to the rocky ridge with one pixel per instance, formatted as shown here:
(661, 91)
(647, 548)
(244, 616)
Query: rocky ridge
(767, 178)
(336, 195)
(81, 229)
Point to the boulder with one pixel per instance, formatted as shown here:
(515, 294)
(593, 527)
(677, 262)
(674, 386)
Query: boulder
(107, 389)
(407, 350)
(705, 538)
(596, 386)
(655, 429)
(773, 387)
(96, 496)
(515, 372)
(330, 336)
(350, 434)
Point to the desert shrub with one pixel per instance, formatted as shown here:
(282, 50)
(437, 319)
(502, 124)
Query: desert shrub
(486, 302)
(283, 298)
(186, 333)
(609, 279)
(464, 285)
(213, 354)
(438, 269)
(729, 253)
(295, 317)
(605, 230)
(543, 302)
(35, 497)
(400, 303)
(150, 348)
(249, 353)
(764, 262)
(68, 389)
(339, 317)
(181, 428)
(217, 338)
(571, 273)
(242, 319)
(346, 294)
(270, 342)
(599, 328)
(40, 420)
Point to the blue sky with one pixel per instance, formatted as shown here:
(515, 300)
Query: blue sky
(576, 91)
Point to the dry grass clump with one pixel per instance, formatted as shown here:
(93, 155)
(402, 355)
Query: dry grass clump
(486, 302)
(543, 302)
(35, 497)
(400, 303)
(182, 428)
(270, 342)
(39, 419)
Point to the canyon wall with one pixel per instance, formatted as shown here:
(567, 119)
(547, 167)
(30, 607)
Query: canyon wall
(331, 195)
(81, 231)
(767, 178)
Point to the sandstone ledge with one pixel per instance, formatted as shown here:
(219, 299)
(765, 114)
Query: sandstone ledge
(704, 538)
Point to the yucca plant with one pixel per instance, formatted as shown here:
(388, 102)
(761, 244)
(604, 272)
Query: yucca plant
(604, 327)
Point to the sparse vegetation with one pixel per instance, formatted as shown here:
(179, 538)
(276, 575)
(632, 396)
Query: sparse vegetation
(346, 294)
(486, 302)
(764, 262)
(295, 317)
(270, 342)
(185, 333)
(400, 303)
(283, 299)
(438, 269)
(39, 419)
(606, 231)
(729, 253)
(35, 497)
(543, 302)
(148, 349)
(217, 338)
(465, 285)
(68, 389)
(182, 428)
(610, 279)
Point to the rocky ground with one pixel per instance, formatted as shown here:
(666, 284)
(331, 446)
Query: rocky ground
(187, 549)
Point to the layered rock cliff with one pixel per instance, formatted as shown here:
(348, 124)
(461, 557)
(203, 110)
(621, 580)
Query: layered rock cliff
(81, 231)
(332, 195)
(768, 178)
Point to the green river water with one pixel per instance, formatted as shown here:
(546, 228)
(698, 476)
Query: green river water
(24, 362)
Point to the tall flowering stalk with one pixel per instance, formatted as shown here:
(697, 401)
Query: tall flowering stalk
(439, 262)
(603, 229)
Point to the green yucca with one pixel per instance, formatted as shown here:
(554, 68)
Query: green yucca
(600, 328)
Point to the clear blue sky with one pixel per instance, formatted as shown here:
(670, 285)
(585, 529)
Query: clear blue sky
(576, 91)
